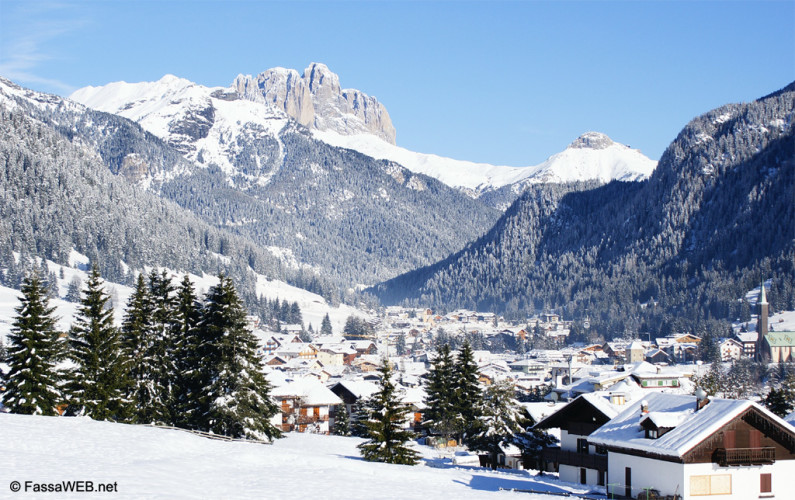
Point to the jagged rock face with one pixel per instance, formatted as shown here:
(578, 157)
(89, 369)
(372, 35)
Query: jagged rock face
(316, 100)
(281, 88)
(592, 140)
(195, 124)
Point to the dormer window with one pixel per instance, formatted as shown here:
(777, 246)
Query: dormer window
(651, 434)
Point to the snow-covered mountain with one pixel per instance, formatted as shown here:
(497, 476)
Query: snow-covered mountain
(207, 125)
(249, 169)
(592, 156)
(228, 127)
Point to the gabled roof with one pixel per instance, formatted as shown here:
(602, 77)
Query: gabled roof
(310, 391)
(624, 431)
(582, 406)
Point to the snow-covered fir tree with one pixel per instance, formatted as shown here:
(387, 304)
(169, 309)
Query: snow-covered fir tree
(781, 400)
(33, 383)
(99, 380)
(400, 344)
(236, 393)
(468, 393)
(498, 422)
(531, 441)
(386, 418)
(187, 383)
(342, 421)
(161, 349)
(138, 339)
(441, 413)
(325, 326)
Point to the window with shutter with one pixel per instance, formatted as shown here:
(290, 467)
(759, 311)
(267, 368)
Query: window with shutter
(766, 483)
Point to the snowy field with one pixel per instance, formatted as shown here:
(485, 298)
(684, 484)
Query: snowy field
(145, 462)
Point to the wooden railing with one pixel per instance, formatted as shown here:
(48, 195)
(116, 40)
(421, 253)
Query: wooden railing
(589, 461)
(744, 456)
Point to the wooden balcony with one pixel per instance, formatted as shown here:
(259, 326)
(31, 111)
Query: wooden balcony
(744, 456)
(574, 459)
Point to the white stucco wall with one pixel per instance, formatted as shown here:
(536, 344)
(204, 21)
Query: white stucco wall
(666, 477)
(745, 480)
(672, 478)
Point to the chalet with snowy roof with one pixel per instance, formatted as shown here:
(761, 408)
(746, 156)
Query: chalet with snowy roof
(576, 460)
(730, 349)
(689, 446)
(351, 391)
(656, 356)
(749, 341)
(305, 406)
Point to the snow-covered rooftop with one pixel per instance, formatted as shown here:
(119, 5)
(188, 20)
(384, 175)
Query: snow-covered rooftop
(624, 430)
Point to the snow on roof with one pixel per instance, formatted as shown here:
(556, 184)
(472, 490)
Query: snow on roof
(751, 336)
(539, 411)
(667, 419)
(624, 430)
(309, 390)
(359, 388)
(601, 404)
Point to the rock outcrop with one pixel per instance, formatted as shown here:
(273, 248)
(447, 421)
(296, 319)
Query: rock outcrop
(316, 100)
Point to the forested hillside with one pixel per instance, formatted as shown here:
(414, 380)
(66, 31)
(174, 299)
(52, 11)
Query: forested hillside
(675, 252)
(57, 195)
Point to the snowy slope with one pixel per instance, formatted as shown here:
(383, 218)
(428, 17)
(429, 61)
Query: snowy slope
(313, 306)
(201, 122)
(593, 156)
(146, 462)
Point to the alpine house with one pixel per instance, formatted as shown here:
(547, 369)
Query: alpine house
(693, 446)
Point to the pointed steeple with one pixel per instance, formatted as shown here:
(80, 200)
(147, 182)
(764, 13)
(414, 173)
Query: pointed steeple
(762, 296)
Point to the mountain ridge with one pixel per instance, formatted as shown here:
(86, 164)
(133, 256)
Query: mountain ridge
(183, 113)
(715, 217)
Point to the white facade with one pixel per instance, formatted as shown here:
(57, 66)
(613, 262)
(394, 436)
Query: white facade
(695, 481)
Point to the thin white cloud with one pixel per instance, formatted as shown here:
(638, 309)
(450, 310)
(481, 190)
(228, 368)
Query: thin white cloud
(30, 31)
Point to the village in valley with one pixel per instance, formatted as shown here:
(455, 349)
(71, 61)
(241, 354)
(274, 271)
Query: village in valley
(579, 395)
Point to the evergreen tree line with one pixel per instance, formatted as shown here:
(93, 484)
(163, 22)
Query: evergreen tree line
(176, 360)
(275, 313)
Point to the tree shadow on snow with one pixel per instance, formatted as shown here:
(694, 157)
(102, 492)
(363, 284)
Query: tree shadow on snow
(495, 483)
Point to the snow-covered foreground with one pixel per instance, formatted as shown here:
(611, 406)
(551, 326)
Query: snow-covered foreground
(146, 462)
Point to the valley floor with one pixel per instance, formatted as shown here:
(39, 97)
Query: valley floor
(146, 462)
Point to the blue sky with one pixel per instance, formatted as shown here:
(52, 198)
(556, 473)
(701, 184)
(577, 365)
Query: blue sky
(503, 82)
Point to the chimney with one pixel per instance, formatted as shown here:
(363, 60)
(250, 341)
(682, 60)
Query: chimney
(644, 408)
(701, 398)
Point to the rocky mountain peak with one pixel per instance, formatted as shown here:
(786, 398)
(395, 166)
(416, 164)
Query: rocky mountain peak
(317, 101)
(592, 140)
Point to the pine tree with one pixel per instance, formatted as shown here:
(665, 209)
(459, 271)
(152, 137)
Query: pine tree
(236, 391)
(385, 420)
(186, 403)
(467, 391)
(98, 382)
(498, 421)
(531, 441)
(73, 290)
(34, 351)
(400, 344)
(781, 401)
(162, 346)
(342, 421)
(325, 326)
(136, 336)
(441, 412)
